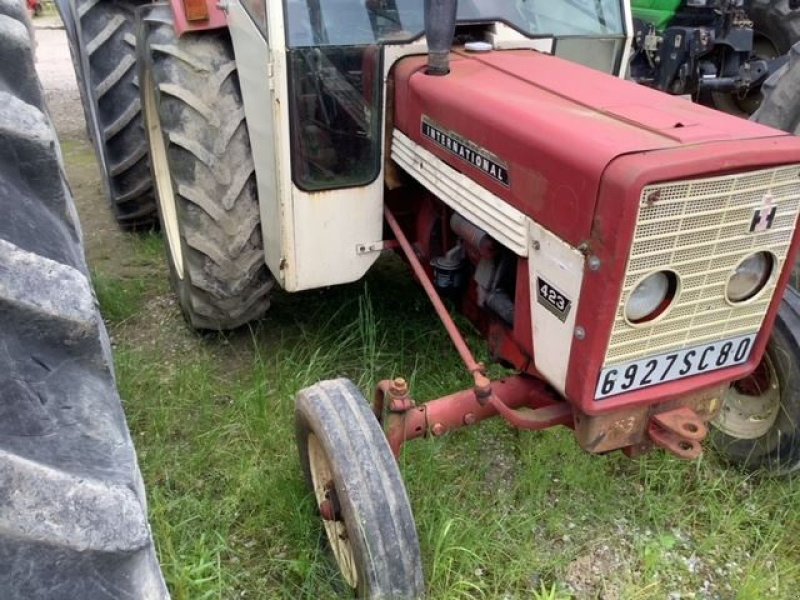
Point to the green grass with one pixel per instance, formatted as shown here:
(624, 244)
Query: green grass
(122, 297)
(500, 513)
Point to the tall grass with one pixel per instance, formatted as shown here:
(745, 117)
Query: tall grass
(500, 514)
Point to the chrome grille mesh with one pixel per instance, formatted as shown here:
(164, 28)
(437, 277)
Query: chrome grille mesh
(700, 229)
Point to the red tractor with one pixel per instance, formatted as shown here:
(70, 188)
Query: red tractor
(626, 252)
(35, 7)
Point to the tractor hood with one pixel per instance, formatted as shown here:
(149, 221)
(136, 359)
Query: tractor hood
(539, 131)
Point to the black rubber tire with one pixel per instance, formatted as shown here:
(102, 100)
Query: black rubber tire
(73, 514)
(744, 106)
(215, 250)
(374, 506)
(780, 107)
(777, 20)
(103, 49)
(778, 450)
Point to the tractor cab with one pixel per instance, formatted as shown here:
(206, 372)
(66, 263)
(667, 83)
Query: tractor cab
(337, 67)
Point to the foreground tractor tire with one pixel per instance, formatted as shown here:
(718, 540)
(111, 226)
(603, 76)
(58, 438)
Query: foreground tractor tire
(759, 424)
(359, 491)
(103, 48)
(776, 20)
(73, 516)
(204, 173)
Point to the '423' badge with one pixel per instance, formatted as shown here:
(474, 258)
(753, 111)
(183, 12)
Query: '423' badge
(553, 300)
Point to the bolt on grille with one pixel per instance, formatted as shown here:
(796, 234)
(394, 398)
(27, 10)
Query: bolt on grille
(701, 230)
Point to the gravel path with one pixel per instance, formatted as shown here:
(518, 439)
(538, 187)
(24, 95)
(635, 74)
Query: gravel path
(54, 66)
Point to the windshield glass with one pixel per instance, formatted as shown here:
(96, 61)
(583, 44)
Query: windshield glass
(363, 22)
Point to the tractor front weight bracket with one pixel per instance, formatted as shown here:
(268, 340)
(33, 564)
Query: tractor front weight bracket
(678, 431)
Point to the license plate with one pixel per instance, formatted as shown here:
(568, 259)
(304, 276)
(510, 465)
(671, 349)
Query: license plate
(654, 370)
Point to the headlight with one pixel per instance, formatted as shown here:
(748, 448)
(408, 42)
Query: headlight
(651, 297)
(749, 277)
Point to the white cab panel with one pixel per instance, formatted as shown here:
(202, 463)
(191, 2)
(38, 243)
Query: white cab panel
(311, 239)
(252, 64)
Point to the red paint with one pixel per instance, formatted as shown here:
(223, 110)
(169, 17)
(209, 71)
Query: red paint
(461, 409)
(216, 18)
(452, 330)
(557, 125)
(611, 239)
(580, 146)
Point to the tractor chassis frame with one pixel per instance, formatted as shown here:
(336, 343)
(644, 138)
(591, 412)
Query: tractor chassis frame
(527, 402)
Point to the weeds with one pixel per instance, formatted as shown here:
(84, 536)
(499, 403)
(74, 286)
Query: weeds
(500, 514)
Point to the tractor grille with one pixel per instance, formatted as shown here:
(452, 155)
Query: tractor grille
(700, 229)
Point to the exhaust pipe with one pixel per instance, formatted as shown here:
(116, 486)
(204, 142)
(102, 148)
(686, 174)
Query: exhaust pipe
(440, 27)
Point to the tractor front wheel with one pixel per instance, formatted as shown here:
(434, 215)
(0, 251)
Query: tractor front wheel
(359, 491)
(203, 172)
(758, 426)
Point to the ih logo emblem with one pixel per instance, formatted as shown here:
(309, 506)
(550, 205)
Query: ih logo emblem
(764, 217)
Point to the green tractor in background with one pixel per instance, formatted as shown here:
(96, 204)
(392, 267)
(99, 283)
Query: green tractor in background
(719, 52)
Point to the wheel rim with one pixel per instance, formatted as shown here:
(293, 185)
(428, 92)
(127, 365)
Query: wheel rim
(751, 405)
(746, 104)
(163, 180)
(335, 529)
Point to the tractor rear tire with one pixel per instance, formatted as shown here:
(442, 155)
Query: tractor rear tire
(73, 513)
(203, 172)
(778, 21)
(780, 107)
(759, 423)
(357, 485)
(103, 49)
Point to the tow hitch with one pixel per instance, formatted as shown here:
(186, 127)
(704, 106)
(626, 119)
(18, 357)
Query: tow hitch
(678, 431)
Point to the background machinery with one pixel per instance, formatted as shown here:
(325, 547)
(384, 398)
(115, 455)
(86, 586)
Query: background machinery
(719, 52)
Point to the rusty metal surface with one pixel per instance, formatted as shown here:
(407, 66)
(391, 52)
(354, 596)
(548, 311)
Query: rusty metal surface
(603, 433)
(628, 428)
(217, 18)
(675, 444)
(533, 418)
(678, 431)
(464, 408)
(683, 422)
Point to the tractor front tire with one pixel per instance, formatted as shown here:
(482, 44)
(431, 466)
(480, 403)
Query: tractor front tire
(776, 20)
(73, 512)
(203, 172)
(758, 426)
(357, 486)
(103, 48)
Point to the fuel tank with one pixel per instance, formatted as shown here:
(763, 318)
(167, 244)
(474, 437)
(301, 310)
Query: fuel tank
(539, 132)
